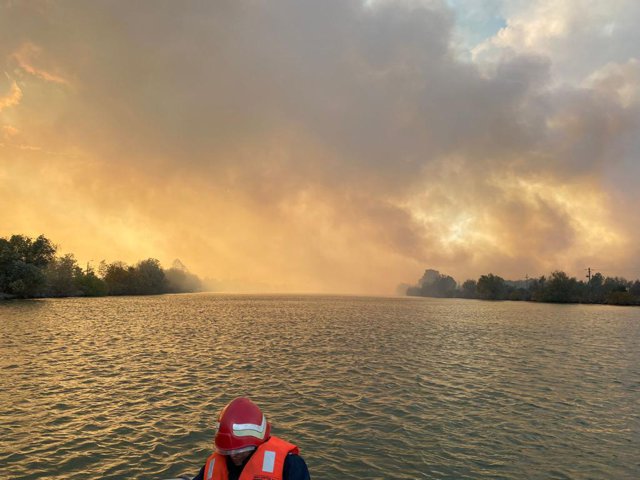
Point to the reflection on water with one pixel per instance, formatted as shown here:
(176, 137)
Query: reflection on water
(372, 388)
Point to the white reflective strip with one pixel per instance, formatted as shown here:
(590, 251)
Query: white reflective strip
(210, 470)
(250, 429)
(269, 462)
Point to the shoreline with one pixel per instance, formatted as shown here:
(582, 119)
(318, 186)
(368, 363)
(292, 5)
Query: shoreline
(529, 301)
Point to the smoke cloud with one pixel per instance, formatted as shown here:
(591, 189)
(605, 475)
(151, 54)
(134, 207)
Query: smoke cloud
(335, 146)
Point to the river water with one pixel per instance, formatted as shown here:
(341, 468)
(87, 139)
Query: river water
(375, 388)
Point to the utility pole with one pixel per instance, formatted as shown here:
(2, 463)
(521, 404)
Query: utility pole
(589, 286)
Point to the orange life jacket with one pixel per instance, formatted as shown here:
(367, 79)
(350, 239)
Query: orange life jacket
(266, 463)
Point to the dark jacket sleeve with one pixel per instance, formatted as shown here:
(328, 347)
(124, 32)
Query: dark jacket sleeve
(200, 475)
(295, 468)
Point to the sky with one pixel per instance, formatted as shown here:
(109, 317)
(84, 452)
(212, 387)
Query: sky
(334, 146)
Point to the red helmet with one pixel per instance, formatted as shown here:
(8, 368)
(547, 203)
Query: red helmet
(241, 427)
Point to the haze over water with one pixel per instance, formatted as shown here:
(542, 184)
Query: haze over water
(368, 387)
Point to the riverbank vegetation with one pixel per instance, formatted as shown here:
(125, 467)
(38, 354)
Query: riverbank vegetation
(558, 287)
(31, 268)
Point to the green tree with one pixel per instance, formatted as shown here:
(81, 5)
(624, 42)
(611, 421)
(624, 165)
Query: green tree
(595, 289)
(560, 288)
(119, 278)
(616, 291)
(434, 284)
(536, 288)
(92, 286)
(63, 275)
(22, 261)
(518, 294)
(149, 277)
(27, 280)
(491, 287)
(634, 291)
(469, 288)
(146, 278)
(38, 252)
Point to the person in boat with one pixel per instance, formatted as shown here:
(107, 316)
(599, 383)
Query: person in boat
(246, 450)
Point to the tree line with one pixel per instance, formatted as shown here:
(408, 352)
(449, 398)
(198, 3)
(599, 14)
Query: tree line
(30, 267)
(558, 287)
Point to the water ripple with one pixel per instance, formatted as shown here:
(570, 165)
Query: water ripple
(373, 388)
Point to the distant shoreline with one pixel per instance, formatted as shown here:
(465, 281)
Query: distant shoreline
(30, 268)
(526, 301)
(557, 288)
(6, 297)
